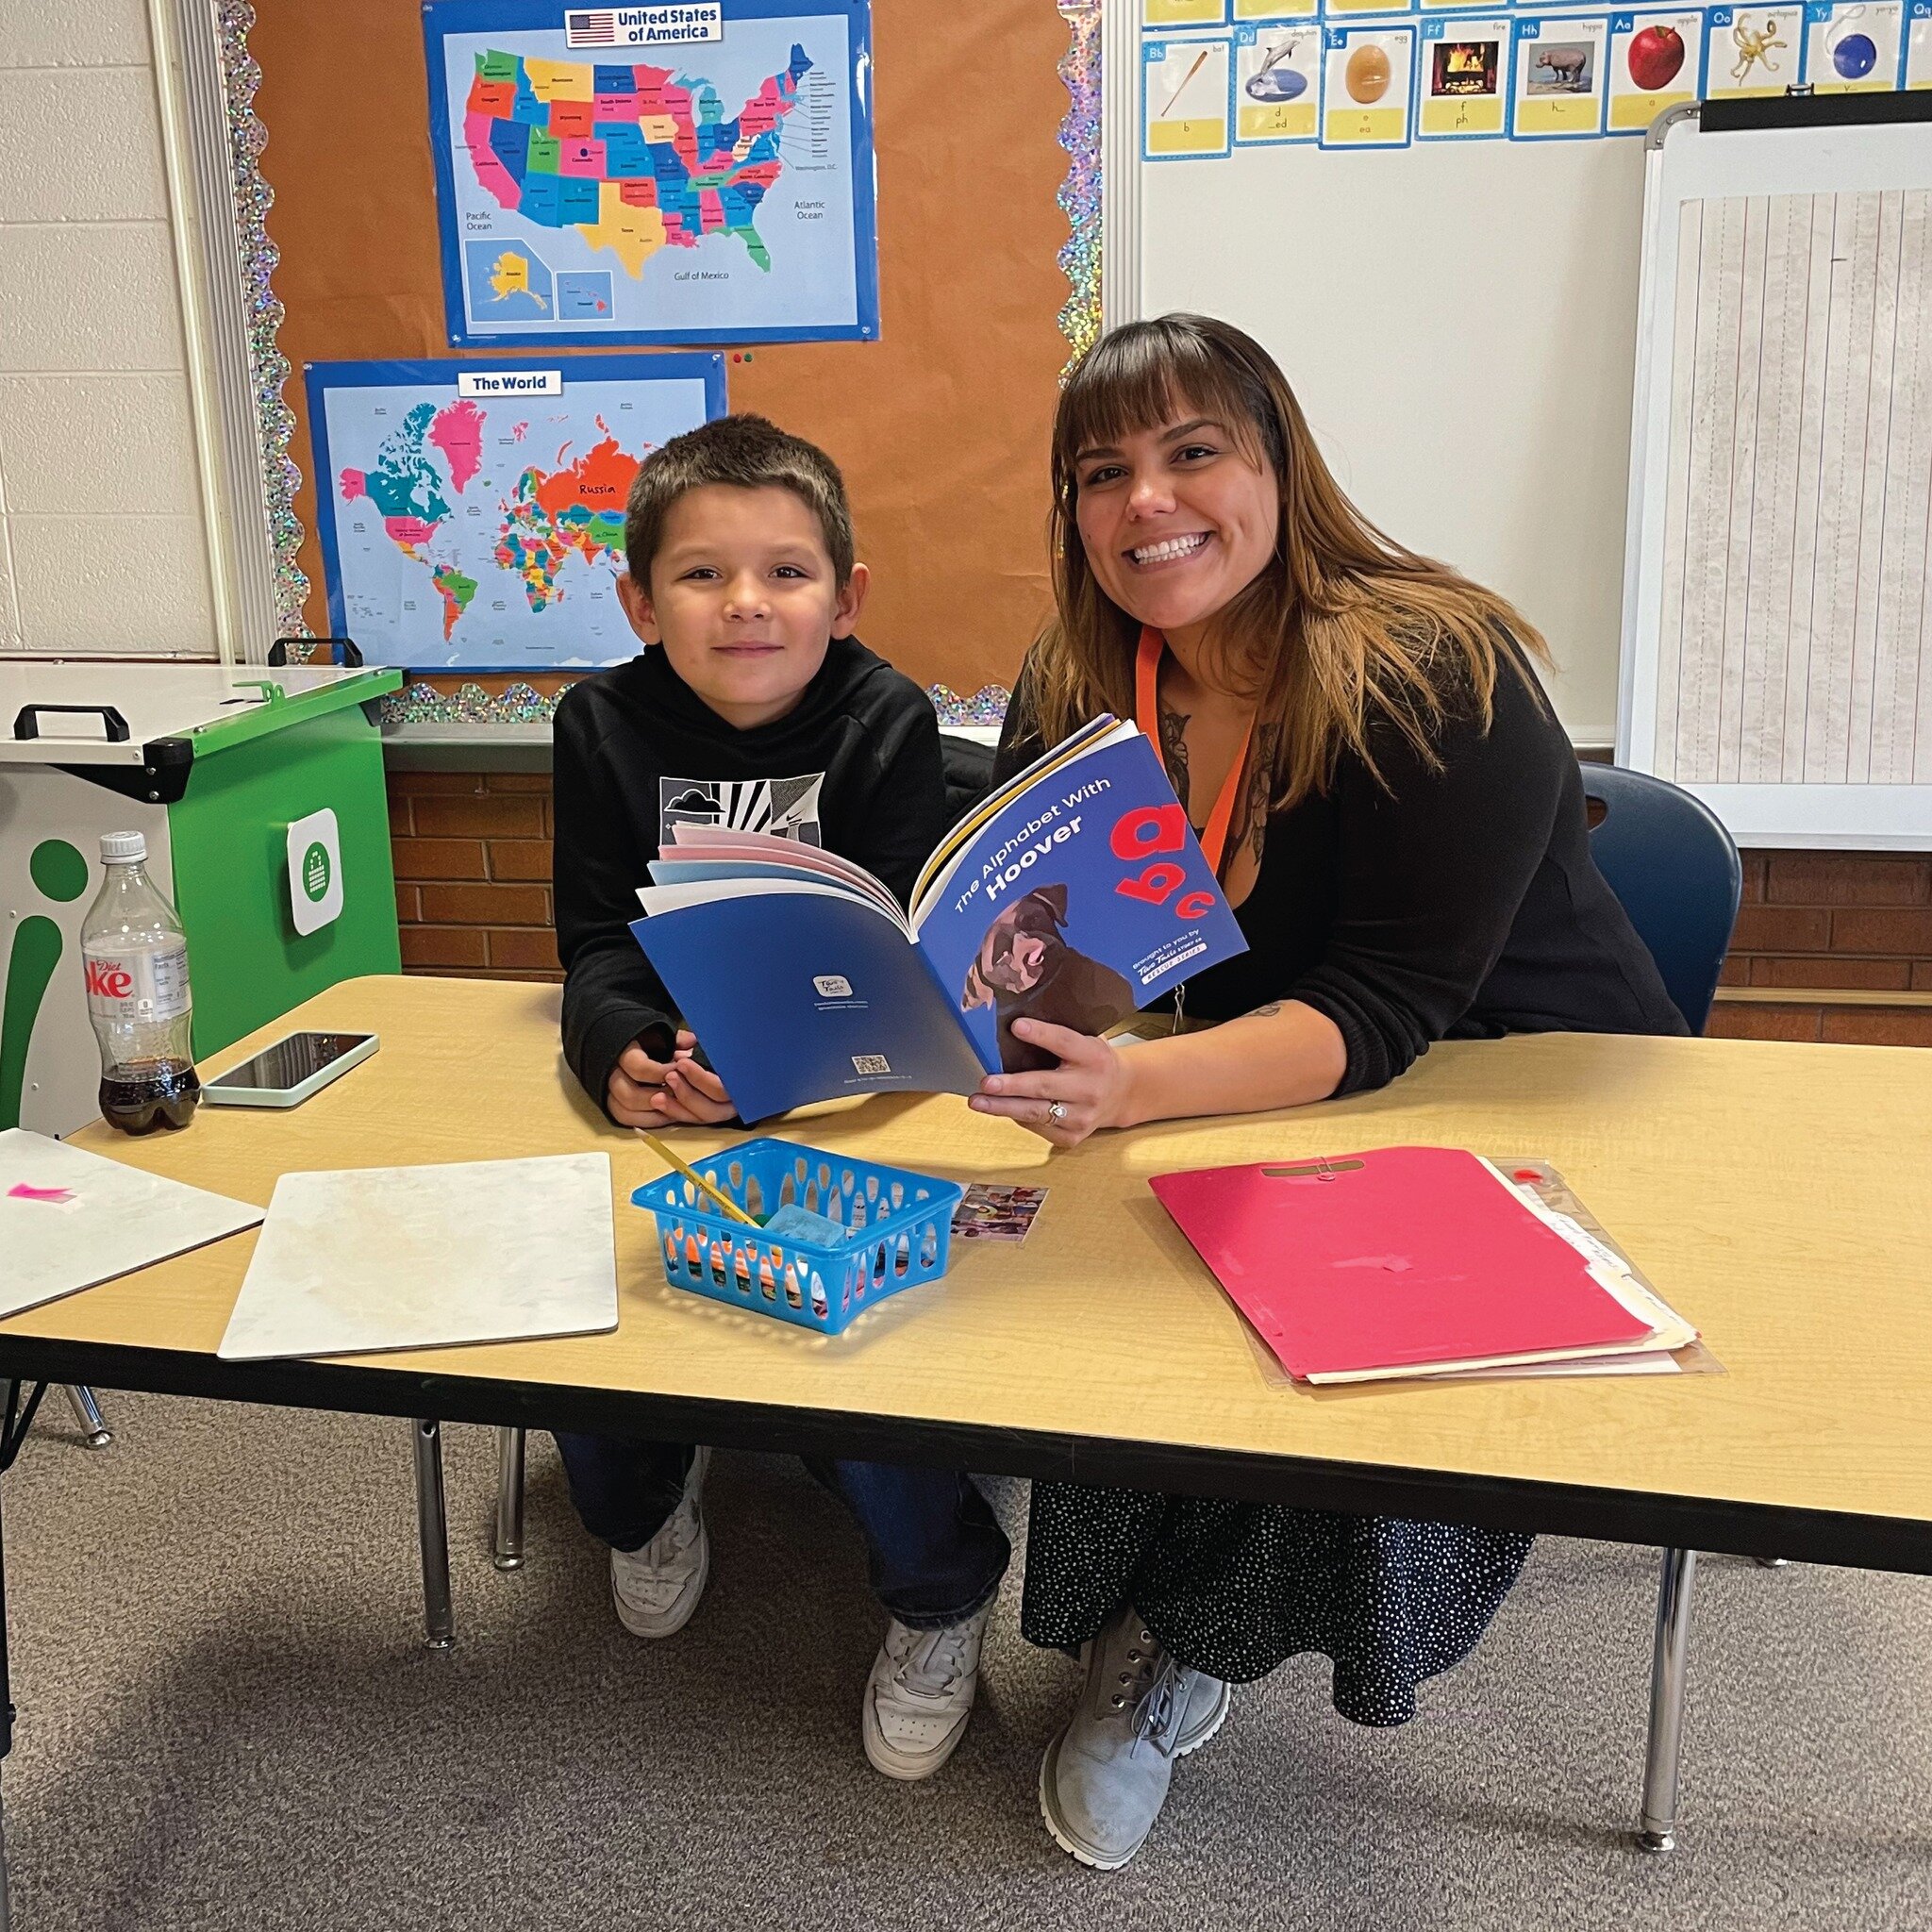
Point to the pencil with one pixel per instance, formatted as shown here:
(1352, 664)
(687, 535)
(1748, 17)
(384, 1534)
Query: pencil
(697, 1180)
(1183, 88)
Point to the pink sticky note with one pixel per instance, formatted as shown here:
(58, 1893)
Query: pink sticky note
(58, 1197)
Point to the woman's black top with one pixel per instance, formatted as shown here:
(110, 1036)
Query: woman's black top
(1422, 902)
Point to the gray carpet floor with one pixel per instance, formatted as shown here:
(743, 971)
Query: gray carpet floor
(227, 1721)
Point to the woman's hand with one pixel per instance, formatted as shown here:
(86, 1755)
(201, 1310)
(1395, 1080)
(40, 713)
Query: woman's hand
(1091, 1086)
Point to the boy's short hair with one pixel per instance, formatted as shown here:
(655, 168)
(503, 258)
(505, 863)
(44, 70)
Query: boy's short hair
(746, 452)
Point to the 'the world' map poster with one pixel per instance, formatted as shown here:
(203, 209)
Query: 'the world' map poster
(471, 513)
(709, 182)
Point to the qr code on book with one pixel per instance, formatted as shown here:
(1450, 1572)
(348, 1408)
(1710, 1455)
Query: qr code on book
(870, 1063)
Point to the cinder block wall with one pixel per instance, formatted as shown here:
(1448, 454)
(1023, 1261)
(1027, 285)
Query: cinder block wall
(95, 428)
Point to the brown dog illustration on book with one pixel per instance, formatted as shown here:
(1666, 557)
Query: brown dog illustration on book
(1027, 971)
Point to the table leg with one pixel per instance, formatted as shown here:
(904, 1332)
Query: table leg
(87, 1412)
(5, 1682)
(432, 1533)
(1670, 1661)
(507, 1549)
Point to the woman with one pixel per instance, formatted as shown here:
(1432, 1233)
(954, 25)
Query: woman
(1398, 821)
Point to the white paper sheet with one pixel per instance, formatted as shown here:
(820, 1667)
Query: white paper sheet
(114, 1219)
(362, 1259)
(1798, 524)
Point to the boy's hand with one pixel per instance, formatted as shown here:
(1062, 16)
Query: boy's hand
(647, 1092)
(691, 1095)
(635, 1082)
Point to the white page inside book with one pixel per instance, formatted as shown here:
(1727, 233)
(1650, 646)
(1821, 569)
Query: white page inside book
(70, 1219)
(1792, 642)
(381, 1258)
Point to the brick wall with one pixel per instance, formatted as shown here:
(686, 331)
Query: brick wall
(472, 872)
(473, 892)
(1844, 921)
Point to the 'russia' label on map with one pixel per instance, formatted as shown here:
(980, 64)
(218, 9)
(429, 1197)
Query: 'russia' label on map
(642, 27)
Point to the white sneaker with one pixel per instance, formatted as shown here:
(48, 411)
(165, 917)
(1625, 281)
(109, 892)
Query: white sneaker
(656, 1589)
(920, 1696)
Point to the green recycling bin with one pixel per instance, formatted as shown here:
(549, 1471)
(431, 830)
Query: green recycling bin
(261, 794)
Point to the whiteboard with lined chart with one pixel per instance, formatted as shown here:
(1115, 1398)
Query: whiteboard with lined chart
(1778, 644)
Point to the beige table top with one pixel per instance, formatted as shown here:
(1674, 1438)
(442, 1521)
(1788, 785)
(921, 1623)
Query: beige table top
(1779, 1195)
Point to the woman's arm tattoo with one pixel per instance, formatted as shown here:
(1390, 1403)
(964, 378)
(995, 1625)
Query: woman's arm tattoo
(1261, 786)
(1174, 751)
(1267, 1012)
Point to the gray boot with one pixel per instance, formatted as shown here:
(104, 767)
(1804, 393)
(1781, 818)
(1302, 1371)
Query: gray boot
(1104, 1779)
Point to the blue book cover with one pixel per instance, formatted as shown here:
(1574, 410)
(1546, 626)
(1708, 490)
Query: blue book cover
(1076, 894)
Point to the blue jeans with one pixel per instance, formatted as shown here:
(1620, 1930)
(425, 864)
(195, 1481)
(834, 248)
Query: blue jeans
(935, 1551)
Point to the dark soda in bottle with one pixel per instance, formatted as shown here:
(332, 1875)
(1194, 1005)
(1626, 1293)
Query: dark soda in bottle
(136, 958)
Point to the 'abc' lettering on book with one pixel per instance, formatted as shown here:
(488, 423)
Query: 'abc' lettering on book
(1076, 894)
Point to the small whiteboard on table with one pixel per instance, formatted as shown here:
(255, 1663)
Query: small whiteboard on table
(1777, 643)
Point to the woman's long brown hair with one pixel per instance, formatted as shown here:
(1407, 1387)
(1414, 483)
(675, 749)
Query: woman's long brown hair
(1343, 625)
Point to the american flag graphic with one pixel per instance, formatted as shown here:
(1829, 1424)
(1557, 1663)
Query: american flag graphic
(596, 28)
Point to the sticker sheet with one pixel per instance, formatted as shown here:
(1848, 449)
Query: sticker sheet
(1277, 81)
(1367, 76)
(1559, 78)
(991, 1211)
(1185, 98)
(1656, 62)
(1853, 46)
(1463, 85)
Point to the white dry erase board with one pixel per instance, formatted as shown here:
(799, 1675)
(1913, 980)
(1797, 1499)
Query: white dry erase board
(1777, 652)
(1458, 315)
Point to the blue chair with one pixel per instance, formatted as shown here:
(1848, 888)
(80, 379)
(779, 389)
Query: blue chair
(1676, 873)
(1676, 870)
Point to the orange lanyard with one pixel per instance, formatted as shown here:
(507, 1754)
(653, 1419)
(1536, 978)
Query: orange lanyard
(1147, 716)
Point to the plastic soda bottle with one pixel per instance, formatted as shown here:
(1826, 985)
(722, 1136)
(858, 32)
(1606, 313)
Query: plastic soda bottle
(136, 958)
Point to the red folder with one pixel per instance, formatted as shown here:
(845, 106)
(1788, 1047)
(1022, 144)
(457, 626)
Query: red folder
(1401, 1256)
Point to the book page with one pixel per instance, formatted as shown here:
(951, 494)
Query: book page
(1798, 507)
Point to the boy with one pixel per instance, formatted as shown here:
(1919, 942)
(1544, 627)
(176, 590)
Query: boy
(754, 706)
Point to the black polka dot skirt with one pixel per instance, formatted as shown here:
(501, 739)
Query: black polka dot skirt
(1233, 1588)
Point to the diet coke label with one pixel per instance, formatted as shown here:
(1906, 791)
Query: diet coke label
(137, 985)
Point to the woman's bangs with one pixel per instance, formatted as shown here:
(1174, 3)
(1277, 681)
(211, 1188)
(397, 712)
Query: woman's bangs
(1145, 377)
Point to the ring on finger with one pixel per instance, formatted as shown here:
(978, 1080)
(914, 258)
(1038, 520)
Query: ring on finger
(1056, 1111)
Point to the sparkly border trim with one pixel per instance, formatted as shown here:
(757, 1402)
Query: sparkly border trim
(469, 704)
(524, 704)
(269, 367)
(1079, 196)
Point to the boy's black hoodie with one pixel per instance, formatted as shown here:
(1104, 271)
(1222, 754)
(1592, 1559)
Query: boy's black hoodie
(855, 768)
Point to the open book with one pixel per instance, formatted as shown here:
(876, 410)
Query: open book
(1074, 894)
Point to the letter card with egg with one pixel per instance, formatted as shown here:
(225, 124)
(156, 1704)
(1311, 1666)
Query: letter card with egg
(1919, 45)
(1853, 46)
(1278, 82)
(1367, 75)
(1752, 50)
(1657, 63)
(1559, 78)
(1462, 87)
(1185, 112)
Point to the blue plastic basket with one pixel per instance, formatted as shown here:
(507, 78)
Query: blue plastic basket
(900, 1232)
